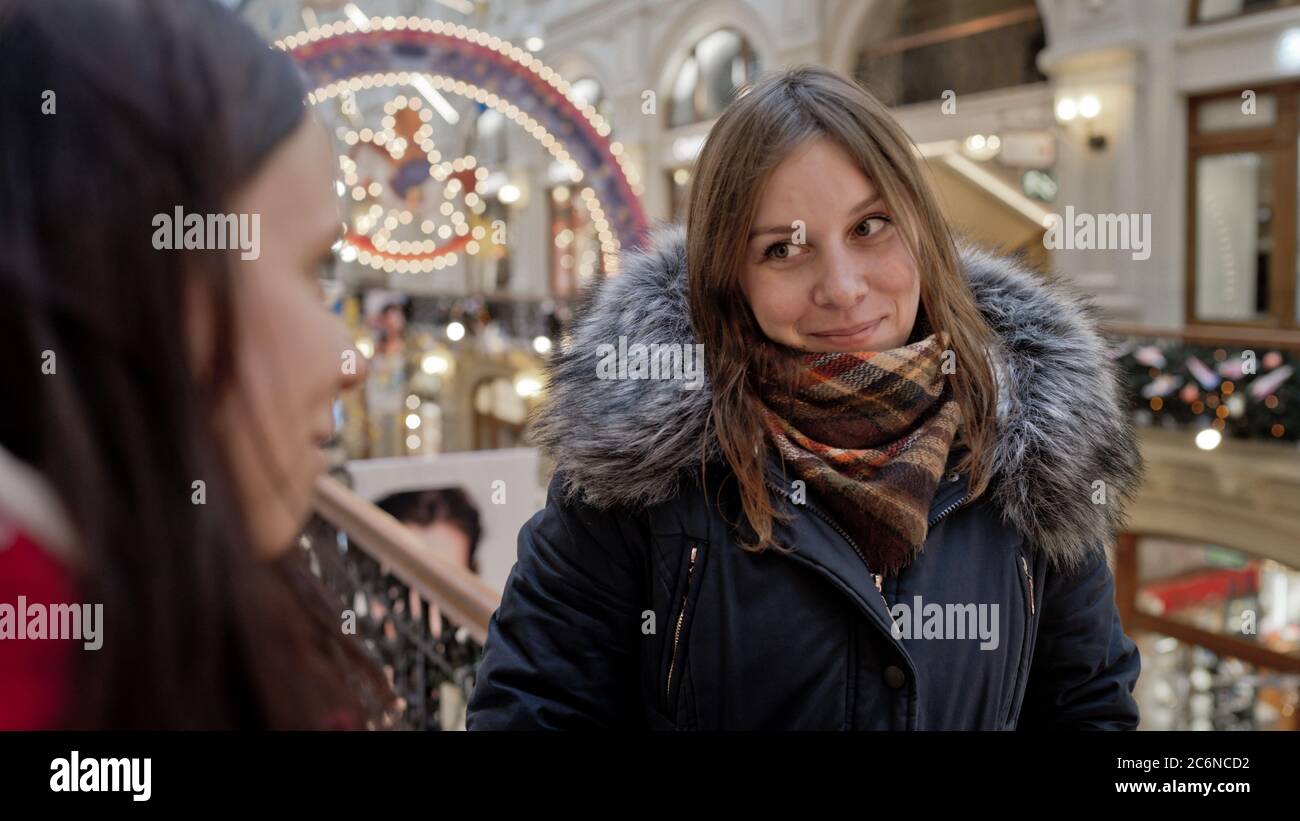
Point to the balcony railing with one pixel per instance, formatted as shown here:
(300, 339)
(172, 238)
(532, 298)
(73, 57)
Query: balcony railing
(1242, 494)
(1210, 335)
(423, 618)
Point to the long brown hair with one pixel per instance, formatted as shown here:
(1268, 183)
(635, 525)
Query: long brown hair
(159, 104)
(778, 113)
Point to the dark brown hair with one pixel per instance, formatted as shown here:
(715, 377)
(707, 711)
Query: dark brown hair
(778, 113)
(451, 505)
(158, 104)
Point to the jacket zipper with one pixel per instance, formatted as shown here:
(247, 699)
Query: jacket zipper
(1025, 645)
(1025, 563)
(876, 577)
(681, 617)
(835, 526)
(949, 509)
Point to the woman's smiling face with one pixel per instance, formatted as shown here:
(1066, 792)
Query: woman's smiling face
(848, 283)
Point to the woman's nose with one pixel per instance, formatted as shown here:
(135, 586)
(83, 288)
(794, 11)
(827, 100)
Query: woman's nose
(842, 284)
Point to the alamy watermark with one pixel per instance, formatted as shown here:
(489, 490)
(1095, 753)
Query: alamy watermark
(1099, 232)
(210, 232)
(79, 622)
(657, 360)
(946, 621)
(77, 774)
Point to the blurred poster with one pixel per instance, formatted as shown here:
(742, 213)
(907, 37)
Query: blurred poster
(468, 506)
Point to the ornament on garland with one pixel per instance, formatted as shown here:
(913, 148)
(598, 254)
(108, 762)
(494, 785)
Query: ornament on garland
(396, 177)
(1239, 393)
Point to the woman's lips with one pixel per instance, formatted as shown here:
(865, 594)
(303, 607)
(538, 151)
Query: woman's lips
(329, 440)
(849, 337)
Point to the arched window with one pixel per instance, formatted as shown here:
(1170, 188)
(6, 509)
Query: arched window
(718, 65)
(588, 90)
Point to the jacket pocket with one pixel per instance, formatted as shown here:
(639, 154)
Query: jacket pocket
(679, 630)
(1030, 610)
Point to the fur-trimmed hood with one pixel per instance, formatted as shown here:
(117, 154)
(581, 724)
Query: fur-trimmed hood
(1062, 427)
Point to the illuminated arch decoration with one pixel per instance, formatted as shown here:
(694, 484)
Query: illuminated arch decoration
(439, 244)
(406, 172)
(342, 57)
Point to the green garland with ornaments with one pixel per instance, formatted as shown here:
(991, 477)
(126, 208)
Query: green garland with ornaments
(1245, 393)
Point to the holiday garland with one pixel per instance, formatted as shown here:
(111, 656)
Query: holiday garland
(1242, 392)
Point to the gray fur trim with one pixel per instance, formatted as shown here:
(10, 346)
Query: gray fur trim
(1062, 425)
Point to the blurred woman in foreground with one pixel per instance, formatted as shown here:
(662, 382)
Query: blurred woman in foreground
(164, 407)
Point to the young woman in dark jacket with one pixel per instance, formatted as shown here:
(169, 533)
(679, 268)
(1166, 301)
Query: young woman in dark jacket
(887, 505)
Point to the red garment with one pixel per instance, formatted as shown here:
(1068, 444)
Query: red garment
(35, 674)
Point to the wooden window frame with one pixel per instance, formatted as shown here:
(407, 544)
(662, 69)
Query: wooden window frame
(1193, 18)
(1279, 141)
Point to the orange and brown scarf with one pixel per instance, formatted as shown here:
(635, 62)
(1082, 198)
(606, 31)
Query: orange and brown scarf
(870, 432)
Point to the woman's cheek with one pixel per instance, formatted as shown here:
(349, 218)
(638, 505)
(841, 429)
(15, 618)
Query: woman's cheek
(782, 303)
(898, 268)
(900, 279)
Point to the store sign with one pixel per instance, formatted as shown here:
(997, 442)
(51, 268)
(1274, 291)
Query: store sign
(1028, 149)
(1039, 185)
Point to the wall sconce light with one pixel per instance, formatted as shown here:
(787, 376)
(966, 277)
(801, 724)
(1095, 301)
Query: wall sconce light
(1086, 108)
(982, 148)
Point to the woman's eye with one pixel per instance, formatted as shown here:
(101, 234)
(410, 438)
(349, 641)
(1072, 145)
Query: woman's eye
(778, 250)
(322, 271)
(865, 229)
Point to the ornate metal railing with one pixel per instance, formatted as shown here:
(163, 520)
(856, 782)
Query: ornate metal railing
(1240, 493)
(422, 619)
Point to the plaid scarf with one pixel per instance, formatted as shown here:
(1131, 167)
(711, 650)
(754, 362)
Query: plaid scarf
(871, 432)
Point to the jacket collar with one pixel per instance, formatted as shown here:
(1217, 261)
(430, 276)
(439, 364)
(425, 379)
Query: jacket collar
(1062, 429)
(29, 504)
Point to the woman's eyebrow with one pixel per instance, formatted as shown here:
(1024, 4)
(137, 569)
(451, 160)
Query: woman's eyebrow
(869, 202)
(771, 229)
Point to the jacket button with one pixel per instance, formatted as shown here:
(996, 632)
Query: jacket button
(894, 677)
